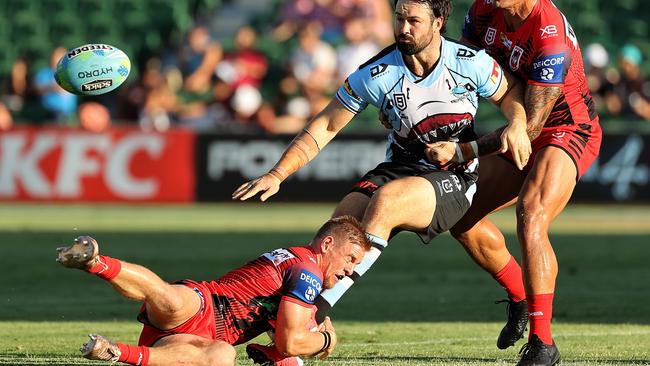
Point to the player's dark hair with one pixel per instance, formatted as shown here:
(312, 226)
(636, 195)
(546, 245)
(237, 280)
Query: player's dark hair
(439, 9)
(345, 227)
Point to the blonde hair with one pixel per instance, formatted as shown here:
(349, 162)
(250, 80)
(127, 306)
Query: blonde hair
(344, 228)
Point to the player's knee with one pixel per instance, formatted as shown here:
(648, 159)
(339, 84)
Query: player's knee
(532, 219)
(220, 354)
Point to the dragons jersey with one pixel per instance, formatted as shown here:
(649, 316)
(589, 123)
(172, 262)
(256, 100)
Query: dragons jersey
(543, 50)
(439, 106)
(246, 300)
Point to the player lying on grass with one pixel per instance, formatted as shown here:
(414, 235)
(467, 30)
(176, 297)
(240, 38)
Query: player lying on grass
(197, 323)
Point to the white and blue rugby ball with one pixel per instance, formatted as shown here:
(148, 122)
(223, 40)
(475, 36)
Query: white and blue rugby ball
(92, 69)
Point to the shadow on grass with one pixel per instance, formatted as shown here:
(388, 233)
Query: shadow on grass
(599, 281)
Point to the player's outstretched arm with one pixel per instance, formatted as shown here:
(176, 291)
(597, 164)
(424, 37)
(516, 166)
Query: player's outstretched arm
(304, 147)
(292, 338)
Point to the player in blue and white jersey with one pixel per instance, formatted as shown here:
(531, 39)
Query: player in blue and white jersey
(428, 88)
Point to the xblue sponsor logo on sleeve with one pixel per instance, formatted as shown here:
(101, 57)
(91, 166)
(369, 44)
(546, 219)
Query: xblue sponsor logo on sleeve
(549, 69)
(308, 287)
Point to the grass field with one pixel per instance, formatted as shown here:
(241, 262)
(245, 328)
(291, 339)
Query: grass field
(420, 305)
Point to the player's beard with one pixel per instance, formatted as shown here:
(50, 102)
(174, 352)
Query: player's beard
(413, 47)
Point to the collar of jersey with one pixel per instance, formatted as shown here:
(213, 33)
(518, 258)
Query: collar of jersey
(433, 75)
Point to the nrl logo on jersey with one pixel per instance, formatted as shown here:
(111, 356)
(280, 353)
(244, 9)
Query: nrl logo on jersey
(515, 57)
(490, 35)
(399, 101)
(377, 70)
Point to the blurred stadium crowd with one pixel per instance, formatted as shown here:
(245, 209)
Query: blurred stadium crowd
(268, 74)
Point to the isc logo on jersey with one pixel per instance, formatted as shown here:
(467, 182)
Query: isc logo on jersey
(549, 68)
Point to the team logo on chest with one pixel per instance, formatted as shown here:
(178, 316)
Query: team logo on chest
(515, 57)
(399, 100)
(490, 35)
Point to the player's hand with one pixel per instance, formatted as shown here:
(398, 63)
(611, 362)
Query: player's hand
(267, 184)
(327, 326)
(383, 118)
(515, 139)
(441, 153)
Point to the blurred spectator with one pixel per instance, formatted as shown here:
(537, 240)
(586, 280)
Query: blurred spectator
(17, 87)
(6, 121)
(297, 13)
(378, 15)
(244, 65)
(358, 49)
(629, 97)
(600, 76)
(94, 117)
(160, 102)
(60, 105)
(313, 63)
(198, 61)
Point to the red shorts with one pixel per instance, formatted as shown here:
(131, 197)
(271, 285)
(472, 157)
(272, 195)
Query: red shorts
(580, 141)
(201, 324)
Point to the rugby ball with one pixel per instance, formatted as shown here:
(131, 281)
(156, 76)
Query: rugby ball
(92, 69)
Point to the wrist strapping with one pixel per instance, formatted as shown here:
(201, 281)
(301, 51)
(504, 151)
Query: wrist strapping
(327, 340)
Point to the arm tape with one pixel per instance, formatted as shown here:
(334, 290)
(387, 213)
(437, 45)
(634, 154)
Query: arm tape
(327, 341)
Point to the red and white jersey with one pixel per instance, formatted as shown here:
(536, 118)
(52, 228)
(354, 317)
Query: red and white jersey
(543, 51)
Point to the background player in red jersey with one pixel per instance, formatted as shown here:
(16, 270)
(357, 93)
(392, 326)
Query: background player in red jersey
(197, 323)
(534, 41)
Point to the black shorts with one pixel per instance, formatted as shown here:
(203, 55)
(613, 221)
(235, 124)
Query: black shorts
(454, 191)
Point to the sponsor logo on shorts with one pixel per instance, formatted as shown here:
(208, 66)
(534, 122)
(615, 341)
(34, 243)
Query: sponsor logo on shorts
(367, 185)
(97, 85)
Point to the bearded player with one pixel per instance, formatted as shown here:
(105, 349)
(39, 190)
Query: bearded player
(428, 87)
(535, 42)
(197, 323)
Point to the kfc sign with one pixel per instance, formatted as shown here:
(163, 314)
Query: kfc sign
(120, 165)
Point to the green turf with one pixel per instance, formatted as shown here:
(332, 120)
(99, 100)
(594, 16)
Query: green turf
(420, 305)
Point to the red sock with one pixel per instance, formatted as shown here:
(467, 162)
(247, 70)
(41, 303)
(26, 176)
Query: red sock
(134, 355)
(106, 267)
(512, 281)
(540, 313)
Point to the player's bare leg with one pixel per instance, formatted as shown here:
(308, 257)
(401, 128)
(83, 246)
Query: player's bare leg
(387, 212)
(486, 245)
(545, 193)
(167, 305)
(392, 197)
(178, 349)
(353, 204)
